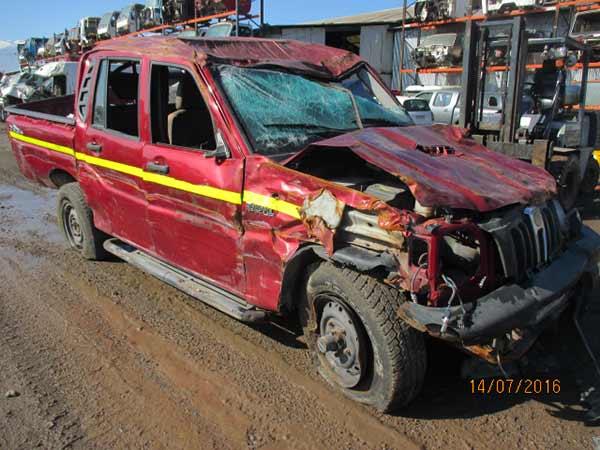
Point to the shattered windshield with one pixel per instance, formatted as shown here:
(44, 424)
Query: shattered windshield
(282, 112)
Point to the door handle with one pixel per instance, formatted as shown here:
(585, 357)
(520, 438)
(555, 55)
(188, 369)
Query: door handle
(93, 147)
(158, 168)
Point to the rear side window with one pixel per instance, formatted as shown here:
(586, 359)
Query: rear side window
(117, 97)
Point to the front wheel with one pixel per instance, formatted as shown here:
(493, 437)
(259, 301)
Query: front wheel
(360, 345)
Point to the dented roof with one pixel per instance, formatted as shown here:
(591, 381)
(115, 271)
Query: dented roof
(294, 55)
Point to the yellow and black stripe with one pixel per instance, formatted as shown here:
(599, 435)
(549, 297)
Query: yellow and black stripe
(235, 198)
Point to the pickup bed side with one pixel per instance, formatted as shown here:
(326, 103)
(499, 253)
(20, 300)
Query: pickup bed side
(49, 157)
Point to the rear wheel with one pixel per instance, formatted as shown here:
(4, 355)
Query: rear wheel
(568, 181)
(359, 344)
(76, 223)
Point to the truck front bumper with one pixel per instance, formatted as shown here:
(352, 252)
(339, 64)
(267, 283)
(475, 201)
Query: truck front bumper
(525, 307)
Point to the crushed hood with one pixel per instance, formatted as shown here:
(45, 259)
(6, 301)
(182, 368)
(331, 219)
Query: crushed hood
(442, 168)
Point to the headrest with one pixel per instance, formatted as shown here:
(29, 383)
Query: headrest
(188, 95)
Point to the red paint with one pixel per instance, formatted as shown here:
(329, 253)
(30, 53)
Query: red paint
(237, 247)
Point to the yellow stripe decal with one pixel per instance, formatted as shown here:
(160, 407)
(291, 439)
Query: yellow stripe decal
(44, 144)
(205, 191)
(272, 203)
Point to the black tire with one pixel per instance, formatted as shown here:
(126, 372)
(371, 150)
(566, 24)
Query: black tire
(590, 177)
(76, 222)
(568, 181)
(388, 344)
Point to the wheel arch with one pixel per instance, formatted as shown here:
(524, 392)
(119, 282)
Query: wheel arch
(60, 177)
(297, 267)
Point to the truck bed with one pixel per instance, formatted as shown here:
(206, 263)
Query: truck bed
(56, 109)
(41, 134)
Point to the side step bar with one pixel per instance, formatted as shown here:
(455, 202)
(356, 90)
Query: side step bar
(202, 290)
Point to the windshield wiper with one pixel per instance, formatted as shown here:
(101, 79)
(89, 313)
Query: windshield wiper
(310, 126)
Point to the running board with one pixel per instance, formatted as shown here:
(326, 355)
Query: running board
(212, 295)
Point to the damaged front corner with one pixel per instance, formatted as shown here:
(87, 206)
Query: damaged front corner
(322, 214)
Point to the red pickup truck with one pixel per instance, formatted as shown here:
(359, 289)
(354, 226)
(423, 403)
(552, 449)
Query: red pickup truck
(276, 177)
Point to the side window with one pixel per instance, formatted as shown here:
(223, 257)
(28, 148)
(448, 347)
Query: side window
(116, 98)
(442, 99)
(425, 95)
(84, 93)
(178, 113)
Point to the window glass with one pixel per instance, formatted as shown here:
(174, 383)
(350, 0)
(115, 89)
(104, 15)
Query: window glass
(178, 113)
(493, 101)
(442, 99)
(284, 112)
(116, 99)
(425, 95)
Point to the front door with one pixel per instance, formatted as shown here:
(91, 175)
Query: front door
(194, 199)
(110, 158)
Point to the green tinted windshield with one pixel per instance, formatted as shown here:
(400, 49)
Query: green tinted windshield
(282, 112)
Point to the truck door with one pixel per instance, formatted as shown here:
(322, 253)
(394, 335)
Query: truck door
(110, 153)
(194, 199)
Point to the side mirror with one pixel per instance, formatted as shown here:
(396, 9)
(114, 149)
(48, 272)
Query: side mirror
(221, 152)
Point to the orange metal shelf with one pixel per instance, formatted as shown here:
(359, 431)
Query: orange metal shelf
(560, 5)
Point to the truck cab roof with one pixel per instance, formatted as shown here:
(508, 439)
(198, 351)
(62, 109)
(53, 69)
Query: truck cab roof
(314, 59)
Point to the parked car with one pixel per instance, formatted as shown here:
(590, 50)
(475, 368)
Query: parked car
(284, 178)
(107, 28)
(501, 6)
(439, 50)
(227, 29)
(418, 110)
(88, 31)
(445, 105)
(131, 19)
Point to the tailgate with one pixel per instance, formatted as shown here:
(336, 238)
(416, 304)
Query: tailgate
(42, 147)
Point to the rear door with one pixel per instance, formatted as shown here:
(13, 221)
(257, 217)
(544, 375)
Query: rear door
(110, 152)
(194, 198)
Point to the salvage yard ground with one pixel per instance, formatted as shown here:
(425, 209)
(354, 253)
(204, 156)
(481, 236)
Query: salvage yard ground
(101, 355)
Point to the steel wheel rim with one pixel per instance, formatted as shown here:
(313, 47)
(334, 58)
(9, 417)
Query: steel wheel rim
(72, 225)
(340, 344)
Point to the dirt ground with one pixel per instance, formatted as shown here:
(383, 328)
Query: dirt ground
(101, 355)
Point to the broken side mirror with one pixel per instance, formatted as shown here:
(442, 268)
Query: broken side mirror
(221, 151)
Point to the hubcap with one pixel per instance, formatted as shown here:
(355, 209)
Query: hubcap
(340, 344)
(72, 225)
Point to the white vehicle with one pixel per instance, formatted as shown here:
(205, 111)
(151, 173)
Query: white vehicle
(131, 19)
(107, 28)
(501, 6)
(444, 103)
(418, 110)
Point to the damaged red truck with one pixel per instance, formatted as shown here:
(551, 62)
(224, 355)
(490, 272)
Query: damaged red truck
(276, 177)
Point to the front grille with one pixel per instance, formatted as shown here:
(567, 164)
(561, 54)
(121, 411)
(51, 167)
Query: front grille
(528, 239)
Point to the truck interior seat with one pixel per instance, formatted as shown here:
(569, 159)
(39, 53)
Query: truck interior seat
(190, 125)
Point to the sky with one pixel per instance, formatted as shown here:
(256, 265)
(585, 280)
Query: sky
(42, 18)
